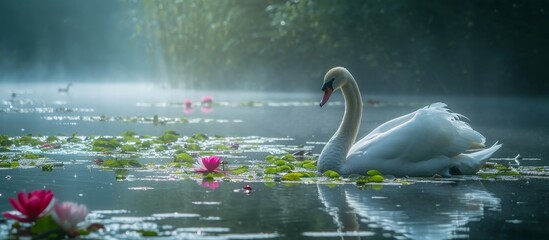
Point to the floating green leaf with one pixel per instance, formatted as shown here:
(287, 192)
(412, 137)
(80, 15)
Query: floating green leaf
(169, 136)
(5, 141)
(292, 176)
(331, 174)
(47, 168)
(373, 173)
(184, 157)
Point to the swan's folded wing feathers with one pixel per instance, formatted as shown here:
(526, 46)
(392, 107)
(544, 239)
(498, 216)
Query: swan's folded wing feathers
(429, 132)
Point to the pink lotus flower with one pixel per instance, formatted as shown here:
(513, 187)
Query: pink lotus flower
(208, 164)
(31, 205)
(68, 214)
(188, 103)
(206, 99)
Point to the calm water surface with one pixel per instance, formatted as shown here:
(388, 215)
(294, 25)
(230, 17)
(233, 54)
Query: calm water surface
(188, 209)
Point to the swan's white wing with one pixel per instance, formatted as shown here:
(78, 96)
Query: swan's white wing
(428, 134)
(394, 123)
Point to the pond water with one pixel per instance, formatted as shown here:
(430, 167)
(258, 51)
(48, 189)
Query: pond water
(175, 203)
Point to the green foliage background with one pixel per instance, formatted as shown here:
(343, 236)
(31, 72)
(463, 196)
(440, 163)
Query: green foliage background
(419, 45)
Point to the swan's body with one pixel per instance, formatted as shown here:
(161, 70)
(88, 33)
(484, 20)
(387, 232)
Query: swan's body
(429, 141)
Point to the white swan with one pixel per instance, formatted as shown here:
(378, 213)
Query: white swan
(429, 141)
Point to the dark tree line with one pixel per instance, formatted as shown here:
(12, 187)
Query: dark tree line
(412, 46)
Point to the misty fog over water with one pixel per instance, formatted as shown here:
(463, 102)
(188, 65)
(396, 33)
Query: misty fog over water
(401, 47)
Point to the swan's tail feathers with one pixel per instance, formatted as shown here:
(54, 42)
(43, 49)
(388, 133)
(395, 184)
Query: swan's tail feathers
(470, 163)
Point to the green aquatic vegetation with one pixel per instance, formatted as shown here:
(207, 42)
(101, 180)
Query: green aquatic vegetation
(105, 144)
(115, 163)
(373, 173)
(3, 149)
(497, 170)
(178, 148)
(373, 176)
(200, 137)
(128, 148)
(47, 168)
(160, 148)
(331, 174)
(169, 136)
(487, 175)
(309, 166)
(271, 170)
(221, 147)
(148, 233)
(402, 182)
(288, 157)
(73, 139)
(206, 153)
(146, 144)
(376, 178)
(183, 157)
(130, 136)
(52, 139)
(209, 176)
(128, 133)
(292, 176)
(27, 140)
(240, 170)
(4, 157)
(45, 227)
(280, 163)
(5, 141)
(285, 168)
(192, 147)
(120, 177)
(5, 164)
(308, 174)
(166, 165)
(32, 156)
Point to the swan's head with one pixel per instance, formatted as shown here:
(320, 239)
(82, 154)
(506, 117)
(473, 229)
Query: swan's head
(335, 79)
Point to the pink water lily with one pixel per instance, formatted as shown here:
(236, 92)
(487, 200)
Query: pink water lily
(31, 205)
(68, 214)
(206, 99)
(188, 103)
(208, 164)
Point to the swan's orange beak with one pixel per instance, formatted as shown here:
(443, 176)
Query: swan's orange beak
(327, 93)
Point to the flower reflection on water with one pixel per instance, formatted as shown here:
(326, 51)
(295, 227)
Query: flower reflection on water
(211, 184)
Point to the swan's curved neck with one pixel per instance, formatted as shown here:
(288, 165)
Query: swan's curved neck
(335, 151)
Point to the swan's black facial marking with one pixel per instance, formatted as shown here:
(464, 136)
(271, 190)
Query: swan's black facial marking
(328, 88)
(328, 84)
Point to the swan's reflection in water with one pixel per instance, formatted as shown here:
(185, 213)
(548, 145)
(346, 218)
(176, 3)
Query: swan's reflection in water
(417, 211)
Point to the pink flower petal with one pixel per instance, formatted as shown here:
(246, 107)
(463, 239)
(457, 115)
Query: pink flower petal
(22, 199)
(68, 214)
(46, 200)
(16, 217)
(33, 207)
(17, 206)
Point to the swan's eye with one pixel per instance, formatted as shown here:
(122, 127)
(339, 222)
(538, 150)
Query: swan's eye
(328, 84)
